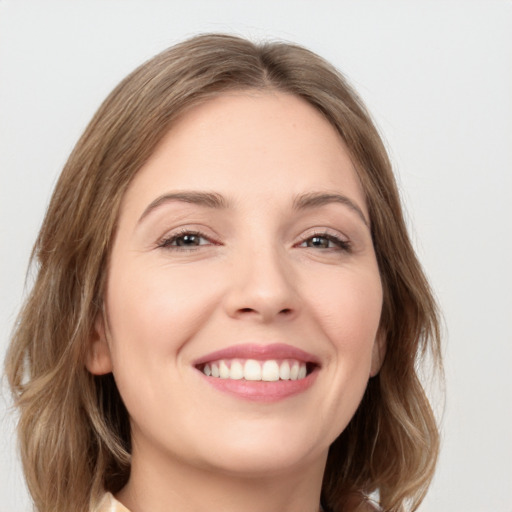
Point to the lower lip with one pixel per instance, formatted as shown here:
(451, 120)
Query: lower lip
(262, 391)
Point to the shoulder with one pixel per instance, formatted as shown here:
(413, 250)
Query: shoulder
(109, 504)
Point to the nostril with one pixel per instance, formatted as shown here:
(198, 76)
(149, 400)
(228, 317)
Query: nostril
(266, 311)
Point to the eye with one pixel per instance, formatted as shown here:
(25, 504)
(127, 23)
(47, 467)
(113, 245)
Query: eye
(185, 240)
(325, 241)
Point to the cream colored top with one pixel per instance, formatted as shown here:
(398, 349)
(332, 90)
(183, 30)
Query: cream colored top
(109, 504)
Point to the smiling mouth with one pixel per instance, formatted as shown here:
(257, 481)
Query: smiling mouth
(268, 370)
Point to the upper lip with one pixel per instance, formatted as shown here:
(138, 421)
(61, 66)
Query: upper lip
(259, 352)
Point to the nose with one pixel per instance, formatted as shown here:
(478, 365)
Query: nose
(262, 287)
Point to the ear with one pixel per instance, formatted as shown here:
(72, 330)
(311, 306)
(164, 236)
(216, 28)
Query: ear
(98, 360)
(378, 353)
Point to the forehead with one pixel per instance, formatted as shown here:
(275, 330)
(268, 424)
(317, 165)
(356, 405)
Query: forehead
(264, 145)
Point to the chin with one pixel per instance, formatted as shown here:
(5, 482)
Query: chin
(258, 465)
(265, 451)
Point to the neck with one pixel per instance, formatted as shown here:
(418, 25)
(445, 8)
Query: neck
(162, 485)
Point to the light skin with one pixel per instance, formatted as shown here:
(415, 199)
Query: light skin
(247, 225)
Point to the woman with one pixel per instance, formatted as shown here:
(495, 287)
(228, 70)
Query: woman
(228, 313)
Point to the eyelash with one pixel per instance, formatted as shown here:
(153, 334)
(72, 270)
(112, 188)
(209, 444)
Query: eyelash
(340, 244)
(170, 242)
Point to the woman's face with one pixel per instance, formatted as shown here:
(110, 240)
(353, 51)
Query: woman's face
(243, 297)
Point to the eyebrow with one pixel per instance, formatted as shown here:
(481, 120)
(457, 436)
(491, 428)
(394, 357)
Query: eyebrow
(317, 199)
(217, 201)
(207, 199)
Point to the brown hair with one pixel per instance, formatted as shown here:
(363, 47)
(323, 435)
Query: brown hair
(73, 428)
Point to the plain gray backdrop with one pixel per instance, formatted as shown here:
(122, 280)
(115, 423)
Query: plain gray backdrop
(437, 77)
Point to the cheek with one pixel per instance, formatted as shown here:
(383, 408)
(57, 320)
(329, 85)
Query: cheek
(154, 310)
(348, 307)
(348, 315)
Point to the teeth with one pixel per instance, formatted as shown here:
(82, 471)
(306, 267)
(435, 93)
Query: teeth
(284, 371)
(252, 370)
(223, 370)
(237, 371)
(270, 371)
(294, 371)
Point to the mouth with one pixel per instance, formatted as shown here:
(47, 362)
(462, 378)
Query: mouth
(269, 370)
(255, 372)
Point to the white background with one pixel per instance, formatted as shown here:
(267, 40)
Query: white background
(437, 77)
